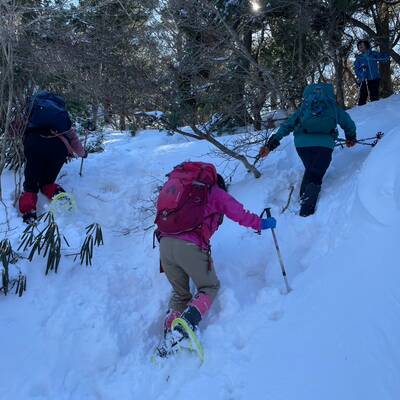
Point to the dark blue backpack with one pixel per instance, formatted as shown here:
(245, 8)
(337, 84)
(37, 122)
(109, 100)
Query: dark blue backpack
(47, 112)
(318, 112)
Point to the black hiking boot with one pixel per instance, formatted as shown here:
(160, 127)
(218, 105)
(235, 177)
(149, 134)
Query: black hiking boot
(58, 191)
(302, 187)
(309, 199)
(29, 217)
(192, 317)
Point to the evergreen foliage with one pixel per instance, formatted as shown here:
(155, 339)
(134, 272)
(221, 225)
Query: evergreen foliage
(46, 243)
(9, 257)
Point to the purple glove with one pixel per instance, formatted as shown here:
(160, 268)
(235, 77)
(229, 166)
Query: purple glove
(268, 223)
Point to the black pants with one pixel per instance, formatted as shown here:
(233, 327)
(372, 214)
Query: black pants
(44, 159)
(316, 161)
(370, 88)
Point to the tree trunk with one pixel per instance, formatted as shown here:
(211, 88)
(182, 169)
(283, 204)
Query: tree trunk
(274, 100)
(107, 110)
(258, 104)
(382, 30)
(238, 107)
(339, 81)
(122, 122)
(95, 110)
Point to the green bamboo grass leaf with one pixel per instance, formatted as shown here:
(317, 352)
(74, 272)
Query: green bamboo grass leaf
(7, 257)
(47, 243)
(36, 247)
(21, 288)
(4, 282)
(18, 285)
(57, 260)
(66, 241)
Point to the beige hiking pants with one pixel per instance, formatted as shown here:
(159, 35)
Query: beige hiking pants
(182, 260)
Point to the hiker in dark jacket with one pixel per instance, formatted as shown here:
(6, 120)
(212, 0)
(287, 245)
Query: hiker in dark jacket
(367, 71)
(49, 140)
(314, 126)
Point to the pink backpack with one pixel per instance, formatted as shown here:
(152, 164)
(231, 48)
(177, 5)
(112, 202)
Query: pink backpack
(183, 198)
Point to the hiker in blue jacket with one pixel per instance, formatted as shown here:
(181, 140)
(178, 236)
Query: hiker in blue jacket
(367, 71)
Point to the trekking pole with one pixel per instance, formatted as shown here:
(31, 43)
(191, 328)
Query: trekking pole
(366, 144)
(379, 135)
(288, 289)
(84, 146)
(375, 139)
(342, 144)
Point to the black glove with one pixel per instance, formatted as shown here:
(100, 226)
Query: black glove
(273, 143)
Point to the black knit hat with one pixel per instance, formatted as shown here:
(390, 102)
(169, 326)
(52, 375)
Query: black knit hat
(366, 43)
(221, 182)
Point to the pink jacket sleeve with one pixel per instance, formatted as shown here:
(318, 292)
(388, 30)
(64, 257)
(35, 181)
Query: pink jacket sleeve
(75, 143)
(225, 204)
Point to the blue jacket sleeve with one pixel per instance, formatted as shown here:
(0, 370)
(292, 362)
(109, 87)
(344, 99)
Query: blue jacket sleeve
(346, 123)
(381, 57)
(287, 127)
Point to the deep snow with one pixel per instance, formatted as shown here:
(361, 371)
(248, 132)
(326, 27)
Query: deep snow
(87, 333)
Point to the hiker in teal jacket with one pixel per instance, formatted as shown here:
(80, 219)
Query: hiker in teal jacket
(314, 127)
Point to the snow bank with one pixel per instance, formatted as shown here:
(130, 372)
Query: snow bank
(87, 333)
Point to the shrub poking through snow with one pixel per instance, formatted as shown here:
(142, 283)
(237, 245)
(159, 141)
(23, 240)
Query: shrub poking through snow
(48, 242)
(95, 143)
(7, 257)
(94, 237)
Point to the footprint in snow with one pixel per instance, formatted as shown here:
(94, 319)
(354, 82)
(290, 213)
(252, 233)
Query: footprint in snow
(271, 301)
(110, 187)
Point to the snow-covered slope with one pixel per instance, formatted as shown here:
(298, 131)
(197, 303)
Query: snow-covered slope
(87, 333)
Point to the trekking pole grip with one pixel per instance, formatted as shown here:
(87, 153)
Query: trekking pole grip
(261, 215)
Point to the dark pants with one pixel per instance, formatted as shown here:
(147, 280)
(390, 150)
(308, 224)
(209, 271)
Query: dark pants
(370, 88)
(44, 159)
(316, 161)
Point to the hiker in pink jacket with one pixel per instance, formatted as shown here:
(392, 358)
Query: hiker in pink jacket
(184, 252)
